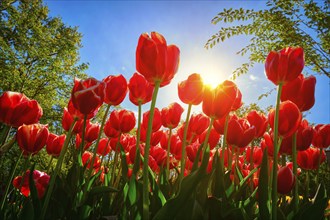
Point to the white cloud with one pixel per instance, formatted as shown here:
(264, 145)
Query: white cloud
(253, 77)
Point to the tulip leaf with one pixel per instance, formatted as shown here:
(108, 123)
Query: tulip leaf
(263, 188)
(101, 190)
(136, 166)
(123, 162)
(217, 178)
(196, 161)
(34, 193)
(27, 212)
(189, 183)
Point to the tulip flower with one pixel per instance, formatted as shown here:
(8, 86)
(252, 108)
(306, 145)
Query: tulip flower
(218, 102)
(285, 180)
(16, 109)
(115, 89)
(191, 90)
(213, 139)
(321, 137)
(110, 131)
(155, 136)
(32, 138)
(259, 121)
(140, 90)
(238, 101)
(78, 143)
(54, 144)
(122, 120)
(256, 155)
(92, 131)
(159, 154)
(198, 123)
(301, 91)
(309, 159)
(87, 95)
(284, 66)
(171, 115)
(67, 121)
(240, 132)
(156, 121)
(40, 179)
(155, 60)
(289, 118)
(104, 147)
(87, 159)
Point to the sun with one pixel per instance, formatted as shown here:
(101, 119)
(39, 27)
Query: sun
(212, 78)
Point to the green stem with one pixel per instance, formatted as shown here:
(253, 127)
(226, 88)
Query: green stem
(295, 167)
(90, 171)
(56, 171)
(82, 144)
(251, 158)
(168, 154)
(208, 134)
(146, 154)
(307, 186)
(276, 150)
(138, 134)
(222, 159)
(49, 164)
(318, 164)
(4, 134)
(105, 150)
(9, 182)
(114, 165)
(184, 142)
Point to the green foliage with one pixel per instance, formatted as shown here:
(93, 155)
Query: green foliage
(283, 23)
(38, 55)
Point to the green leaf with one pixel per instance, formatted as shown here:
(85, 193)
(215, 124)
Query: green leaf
(34, 194)
(263, 199)
(27, 212)
(175, 205)
(123, 162)
(101, 190)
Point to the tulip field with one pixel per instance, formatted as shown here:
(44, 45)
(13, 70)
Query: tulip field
(168, 163)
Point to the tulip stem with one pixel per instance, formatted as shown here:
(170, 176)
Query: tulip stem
(275, 156)
(168, 154)
(114, 165)
(319, 164)
(224, 143)
(81, 147)
(105, 149)
(184, 142)
(208, 134)
(146, 154)
(138, 133)
(4, 134)
(89, 174)
(9, 181)
(50, 164)
(295, 167)
(56, 171)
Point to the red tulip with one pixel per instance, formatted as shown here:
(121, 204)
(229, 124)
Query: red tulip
(309, 158)
(259, 121)
(238, 101)
(285, 180)
(257, 155)
(171, 115)
(304, 138)
(32, 138)
(16, 109)
(40, 179)
(67, 121)
(92, 131)
(125, 140)
(198, 123)
(300, 91)
(87, 160)
(192, 151)
(110, 131)
(156, 61)
(219, 125)
(55, 144)
(155, 136)
(289, 118)
(191, 90)
(156, 122)
(87, 95)
(122, 120)
(78, 143)
(268, 141)
(159, 154)
(285, 65)
(213, 139)
(104, 147)
(115, 89)
(240, 132)
(140, 90)
(218, 102)
(321, 137)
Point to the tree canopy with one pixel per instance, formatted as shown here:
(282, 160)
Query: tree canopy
(39, 55)
(282, 23)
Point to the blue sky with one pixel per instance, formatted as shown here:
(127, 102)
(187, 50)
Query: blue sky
(111, 30)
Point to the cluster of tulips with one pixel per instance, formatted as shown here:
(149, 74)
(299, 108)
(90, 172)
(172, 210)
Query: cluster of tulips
(159, 141)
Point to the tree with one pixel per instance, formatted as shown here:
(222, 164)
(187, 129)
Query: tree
(282, 23)
(38, 55)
